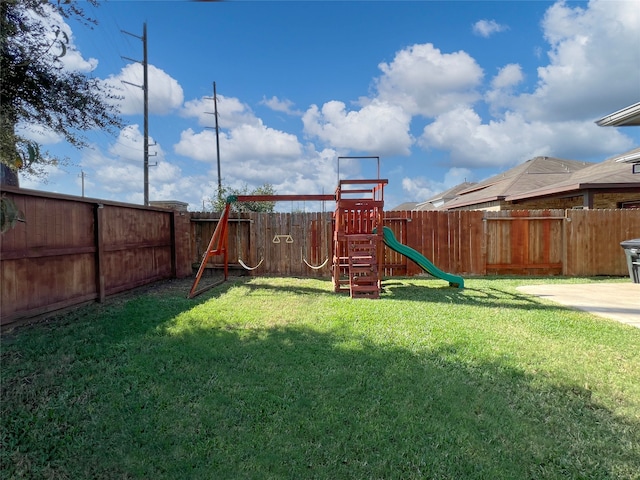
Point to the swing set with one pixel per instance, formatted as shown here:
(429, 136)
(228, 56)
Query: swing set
(357, 258)
(218, 243)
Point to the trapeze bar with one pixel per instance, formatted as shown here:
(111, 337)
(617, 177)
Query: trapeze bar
(287, 238)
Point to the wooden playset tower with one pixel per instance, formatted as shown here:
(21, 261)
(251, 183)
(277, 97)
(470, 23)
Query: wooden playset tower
(357, 251)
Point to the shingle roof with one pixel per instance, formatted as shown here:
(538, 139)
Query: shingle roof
(443, 197)
(405, 206)
(533, 174)
(607, 174)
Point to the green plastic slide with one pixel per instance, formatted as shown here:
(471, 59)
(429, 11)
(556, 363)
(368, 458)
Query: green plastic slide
(423, 262)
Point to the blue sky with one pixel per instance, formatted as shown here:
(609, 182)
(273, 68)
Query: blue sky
(442, 92)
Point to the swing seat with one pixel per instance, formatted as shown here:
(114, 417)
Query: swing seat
(313, 266)
(247, 267)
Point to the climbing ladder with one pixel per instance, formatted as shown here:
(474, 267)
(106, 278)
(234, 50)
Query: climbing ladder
(364, 281)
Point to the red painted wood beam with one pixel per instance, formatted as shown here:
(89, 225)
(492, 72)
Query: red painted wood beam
(281, 198)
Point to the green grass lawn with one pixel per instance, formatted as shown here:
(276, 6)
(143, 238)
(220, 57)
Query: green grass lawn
(280, 378)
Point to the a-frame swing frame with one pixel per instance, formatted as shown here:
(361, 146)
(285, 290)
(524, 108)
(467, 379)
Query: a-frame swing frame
(218, 245)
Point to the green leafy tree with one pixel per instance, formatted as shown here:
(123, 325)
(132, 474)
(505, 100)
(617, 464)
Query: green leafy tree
(37, 89)
(219, 201)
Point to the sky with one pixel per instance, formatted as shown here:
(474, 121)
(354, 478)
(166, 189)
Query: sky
(440, 92)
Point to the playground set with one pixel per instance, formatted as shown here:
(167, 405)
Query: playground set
(358, 238)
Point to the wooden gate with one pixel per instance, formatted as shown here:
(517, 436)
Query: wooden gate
(524, 242)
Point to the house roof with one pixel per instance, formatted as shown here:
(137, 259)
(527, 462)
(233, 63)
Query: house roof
(442, 198)
(626, 117)
(607, 174)
(531, 175)
(405, 206)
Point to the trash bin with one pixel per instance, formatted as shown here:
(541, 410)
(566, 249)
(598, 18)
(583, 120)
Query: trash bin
(632, 251)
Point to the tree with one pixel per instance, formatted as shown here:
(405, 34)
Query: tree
(37, 89)
(219, 201)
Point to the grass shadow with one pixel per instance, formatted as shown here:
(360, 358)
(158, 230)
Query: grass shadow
(147, 391)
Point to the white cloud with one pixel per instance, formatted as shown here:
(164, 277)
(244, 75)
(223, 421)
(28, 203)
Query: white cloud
(63, 49)
(119, 174)
(242, 143)
(486, 28)
(513, 139)
(255, 154)
(424, 81)
(278, 105)
(501, 94)
(421, 188)
(589, 75)
(593, 62)
(508, 76)
(258, 141)
(40, 134)
(199, 146)
(456, 176)
(51, 175)
(380, 127)
(165, 93)
(129, 146)
(231, 112)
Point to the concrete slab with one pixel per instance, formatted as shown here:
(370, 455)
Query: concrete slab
(617, 301)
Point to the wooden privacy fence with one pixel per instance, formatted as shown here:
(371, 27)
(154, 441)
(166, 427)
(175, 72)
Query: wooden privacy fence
(527, 242)
(71, 250)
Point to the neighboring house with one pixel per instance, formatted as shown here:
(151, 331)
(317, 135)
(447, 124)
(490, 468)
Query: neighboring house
(405, 206)
(536, 173)
(609, 184)
(439, 201)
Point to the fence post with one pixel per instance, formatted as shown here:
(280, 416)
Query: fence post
(99, 244)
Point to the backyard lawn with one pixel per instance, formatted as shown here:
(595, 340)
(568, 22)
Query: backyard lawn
(280, 378)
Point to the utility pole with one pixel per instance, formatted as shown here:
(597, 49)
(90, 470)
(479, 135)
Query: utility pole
(82, 176)
(145, 90)
(215, 112)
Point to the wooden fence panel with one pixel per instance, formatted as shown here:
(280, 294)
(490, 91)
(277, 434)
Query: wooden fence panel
(47, 261)
(136, 247)
(394, 263)
(593, 241)
(73, 250)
